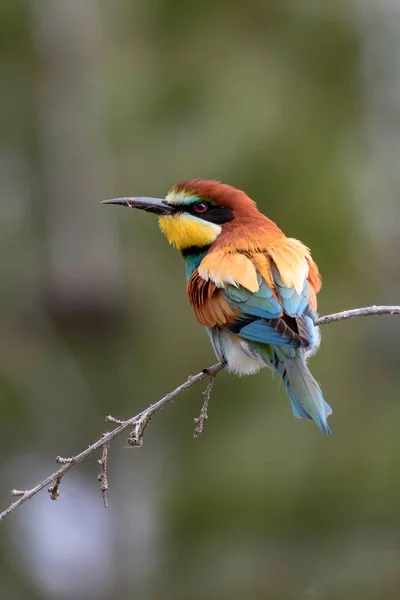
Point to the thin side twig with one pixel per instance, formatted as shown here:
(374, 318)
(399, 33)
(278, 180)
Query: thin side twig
(54, 490)
(102, 477)
(140, 421)
(18, 493)
(203, 416)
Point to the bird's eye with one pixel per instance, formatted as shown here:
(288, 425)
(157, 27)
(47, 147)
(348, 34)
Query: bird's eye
(200, 207)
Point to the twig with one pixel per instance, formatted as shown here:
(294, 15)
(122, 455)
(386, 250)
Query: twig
(140, 421)
(103, 463)
(54, 490)
(203, 416)
(18, 493)
(64, 461)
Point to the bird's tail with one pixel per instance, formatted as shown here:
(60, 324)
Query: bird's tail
(304, 392)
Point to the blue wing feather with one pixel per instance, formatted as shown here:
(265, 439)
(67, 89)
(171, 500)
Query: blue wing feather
(261, 310)
(263, 332)
(261, 304)
(294, 303)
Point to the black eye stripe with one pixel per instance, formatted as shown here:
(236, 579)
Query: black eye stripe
(217, 214)
(213, 214)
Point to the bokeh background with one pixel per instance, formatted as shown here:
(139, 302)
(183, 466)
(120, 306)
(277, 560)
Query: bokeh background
(295, 102)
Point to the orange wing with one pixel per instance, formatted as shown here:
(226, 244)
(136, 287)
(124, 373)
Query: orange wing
(295, 265)
(315, 282)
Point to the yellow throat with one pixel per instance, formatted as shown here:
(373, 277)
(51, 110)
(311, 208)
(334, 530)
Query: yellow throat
(183, 231)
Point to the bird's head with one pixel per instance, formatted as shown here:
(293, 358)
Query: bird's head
(195, 212)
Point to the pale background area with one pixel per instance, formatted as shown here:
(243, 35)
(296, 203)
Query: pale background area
(298, 103)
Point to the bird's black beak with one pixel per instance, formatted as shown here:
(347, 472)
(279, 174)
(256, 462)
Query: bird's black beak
(153, 205)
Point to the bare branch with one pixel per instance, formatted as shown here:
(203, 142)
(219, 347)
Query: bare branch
(368, 311)
(140, 421)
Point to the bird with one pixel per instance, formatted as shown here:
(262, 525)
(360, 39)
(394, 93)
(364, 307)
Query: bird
(253, 288)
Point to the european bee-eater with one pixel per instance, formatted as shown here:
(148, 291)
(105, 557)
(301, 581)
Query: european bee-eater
(253, 288)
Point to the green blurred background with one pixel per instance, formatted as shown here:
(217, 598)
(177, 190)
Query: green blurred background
(298, 104)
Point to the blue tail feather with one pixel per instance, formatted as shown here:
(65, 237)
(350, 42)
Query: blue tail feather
(304, 392)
